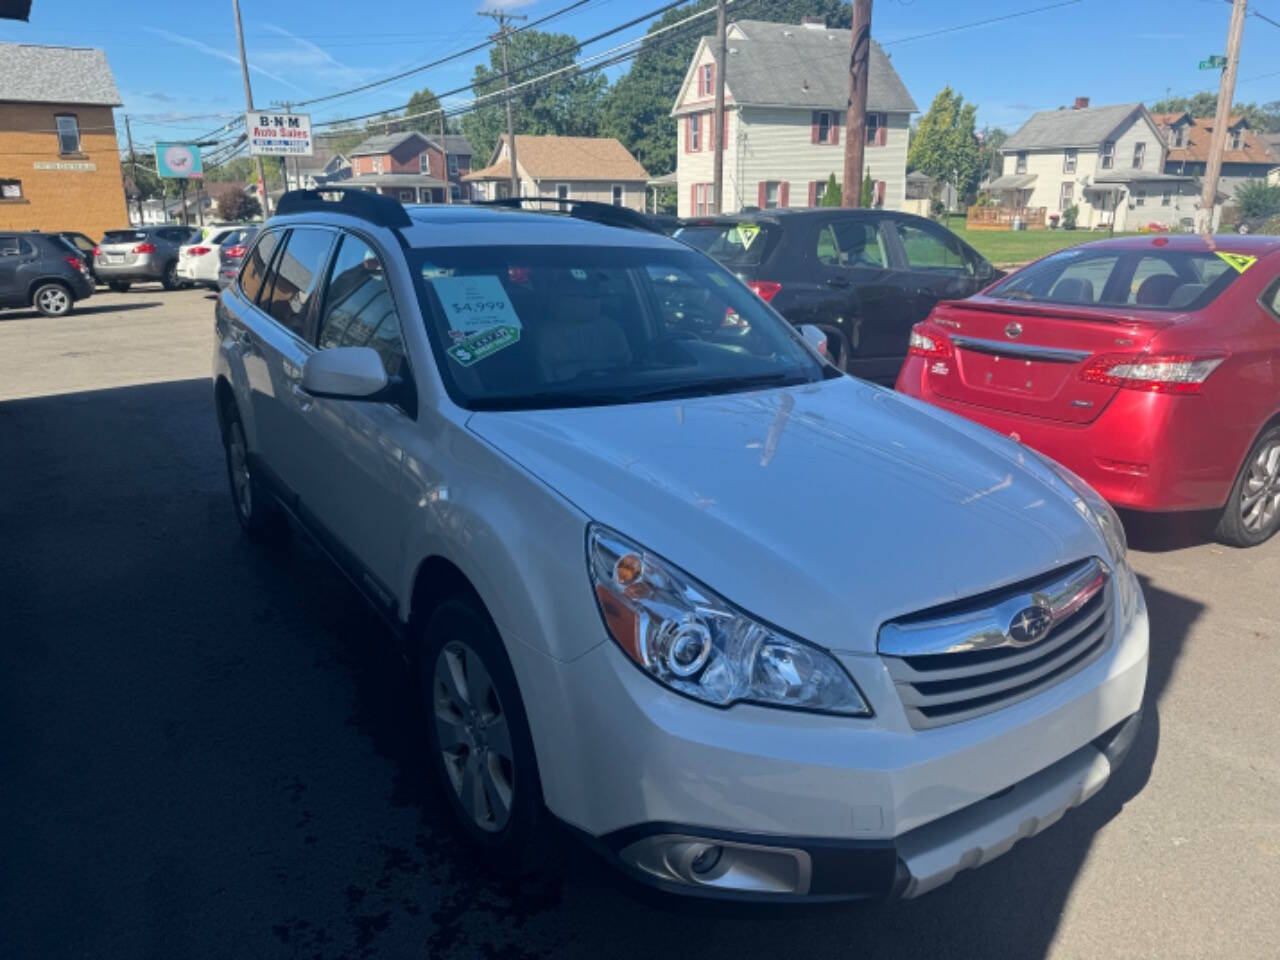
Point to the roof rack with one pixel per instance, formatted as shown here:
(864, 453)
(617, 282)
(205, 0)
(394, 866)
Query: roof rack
(352, 201)
(596, 212)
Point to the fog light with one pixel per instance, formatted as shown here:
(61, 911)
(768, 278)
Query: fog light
(706, 861)
(727, 865)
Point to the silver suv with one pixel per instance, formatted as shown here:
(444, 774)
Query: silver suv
(136, 255)
(573, 465)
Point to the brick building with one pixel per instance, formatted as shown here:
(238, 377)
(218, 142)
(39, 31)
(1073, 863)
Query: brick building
(59, 160)
(412, 167)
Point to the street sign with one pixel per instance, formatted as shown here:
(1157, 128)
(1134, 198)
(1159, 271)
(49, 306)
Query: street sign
(1215, 62)
(278, 134)
(178, 161)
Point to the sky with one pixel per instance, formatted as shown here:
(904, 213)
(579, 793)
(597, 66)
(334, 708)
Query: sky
(178, 72)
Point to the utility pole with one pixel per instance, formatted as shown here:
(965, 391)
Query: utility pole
(855, 127)
(504, 31)
(1226, 93)
(248, 105)
(717, 173)
(133, 163)
(444, 155)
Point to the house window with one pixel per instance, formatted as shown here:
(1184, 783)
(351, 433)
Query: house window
(455, 192)
(706, 80)
(1139, 198)
(562, 191)
(377, 164)
(10, 190)
(453, 165)
(1066, 196)
(701, 199)
(1236, 139)
(406, 196)
(1179, 137)
(695, 132)
(1139, 153)
(1021, 165)
(1108, 154)
(1069, 161)
(824, 126)
(68, 133)
(619, 195)
(424, 163)
(1166, 198)
(874, 123)
(771, 191)
(819, 191)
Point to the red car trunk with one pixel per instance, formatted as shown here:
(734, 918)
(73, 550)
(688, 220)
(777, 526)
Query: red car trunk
(1028, 358)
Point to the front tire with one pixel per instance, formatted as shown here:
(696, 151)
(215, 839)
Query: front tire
(1252, 513)
(170, 280)
(259, 519)
(52, 300)
(478, 741)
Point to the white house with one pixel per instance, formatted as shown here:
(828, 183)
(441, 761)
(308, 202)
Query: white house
(1108, 162)
(786, 91)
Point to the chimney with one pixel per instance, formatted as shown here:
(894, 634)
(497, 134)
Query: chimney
(1082, 103)
(814, 23)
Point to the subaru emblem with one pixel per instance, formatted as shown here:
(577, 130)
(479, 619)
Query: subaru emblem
(1030, 625)
(1013, 331)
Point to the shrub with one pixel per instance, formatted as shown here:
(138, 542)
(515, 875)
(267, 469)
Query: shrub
(1069, 217)
(832, 196)
(1257, 198)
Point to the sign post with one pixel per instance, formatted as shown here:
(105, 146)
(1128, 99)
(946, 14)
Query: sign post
(278, 134)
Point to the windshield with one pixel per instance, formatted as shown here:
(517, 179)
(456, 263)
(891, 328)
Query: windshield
(560, 326)
(735, 244)
(1150, 278)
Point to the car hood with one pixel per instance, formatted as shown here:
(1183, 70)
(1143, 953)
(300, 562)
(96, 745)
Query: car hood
(824, 509)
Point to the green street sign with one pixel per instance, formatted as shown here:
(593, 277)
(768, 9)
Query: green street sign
(1215, 62)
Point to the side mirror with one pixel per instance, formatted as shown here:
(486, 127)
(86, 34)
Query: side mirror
(984, 271)
(814, 336)
(345, 373)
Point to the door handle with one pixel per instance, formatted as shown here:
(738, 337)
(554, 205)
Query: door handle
(305, 400)
(837, 282)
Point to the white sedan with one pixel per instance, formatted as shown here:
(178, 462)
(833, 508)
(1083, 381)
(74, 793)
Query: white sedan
(198, 262)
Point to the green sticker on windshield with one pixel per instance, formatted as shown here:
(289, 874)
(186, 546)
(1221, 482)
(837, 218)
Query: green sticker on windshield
(476, 347)
(1239, 261)
(747, 233)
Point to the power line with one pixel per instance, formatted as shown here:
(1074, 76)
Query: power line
(981, 23)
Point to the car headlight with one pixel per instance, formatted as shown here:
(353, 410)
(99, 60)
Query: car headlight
(1102, 517)
(686, 637)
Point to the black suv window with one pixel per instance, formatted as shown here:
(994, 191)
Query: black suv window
(852, 242)
(929, 249)
(358, 309)
(255, 270)
(295, 275)
(11, 247)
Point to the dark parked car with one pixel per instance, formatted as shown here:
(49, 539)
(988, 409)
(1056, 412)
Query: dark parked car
(231, 254)
(84, 245)
(125, 257)
(865, 277)
(40, 270)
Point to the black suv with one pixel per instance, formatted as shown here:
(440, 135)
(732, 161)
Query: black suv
(863, 276)
(41, 270)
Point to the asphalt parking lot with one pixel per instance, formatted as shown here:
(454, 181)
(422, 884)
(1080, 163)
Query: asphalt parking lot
(207, 750)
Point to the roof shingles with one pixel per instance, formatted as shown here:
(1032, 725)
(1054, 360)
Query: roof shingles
(1054, 129)
(567, 158)
(37, 74)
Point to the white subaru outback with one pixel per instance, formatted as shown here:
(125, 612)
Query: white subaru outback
(754, 628)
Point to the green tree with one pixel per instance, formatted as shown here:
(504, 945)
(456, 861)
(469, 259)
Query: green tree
(638, 108)
(1257, 198)
(1205, 104)
(868, 190)
(946, 146)
(245, 170)
(993, 139)
(234, 204)
(423, 101)
(831, 196)
(568, 106)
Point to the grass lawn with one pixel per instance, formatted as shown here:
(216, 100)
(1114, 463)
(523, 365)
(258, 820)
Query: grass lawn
(1006, 246)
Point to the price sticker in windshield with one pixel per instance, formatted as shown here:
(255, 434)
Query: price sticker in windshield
(1239, 262)
(475, 304)
(747, 233)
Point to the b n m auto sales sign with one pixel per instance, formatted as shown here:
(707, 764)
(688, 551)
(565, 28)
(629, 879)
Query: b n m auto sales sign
(278, 134)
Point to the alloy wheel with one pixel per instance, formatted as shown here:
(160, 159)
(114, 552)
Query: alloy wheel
(473, 736)
(53, 300)
(1260, 494)
(241, 482)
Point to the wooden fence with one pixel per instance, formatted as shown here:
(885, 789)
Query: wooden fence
(1001, 218)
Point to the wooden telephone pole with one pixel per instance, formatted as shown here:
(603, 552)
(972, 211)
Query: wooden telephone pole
(717, 123)
(855, 127)
(504, 32)
(1226, 93)
(248, 105)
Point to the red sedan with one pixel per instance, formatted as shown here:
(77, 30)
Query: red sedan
(1149, 366)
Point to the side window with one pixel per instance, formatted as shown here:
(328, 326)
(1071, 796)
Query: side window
(10, 246)
(1271, 299)
(850, 242)
(358, 309)
(930, 250)
(255, 268)
(296, 275)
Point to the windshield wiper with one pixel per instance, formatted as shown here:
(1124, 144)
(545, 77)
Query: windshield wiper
(699, 388)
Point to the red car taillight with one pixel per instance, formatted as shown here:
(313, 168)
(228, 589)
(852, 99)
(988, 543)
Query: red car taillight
(236, 251)
(928, 342)
(77, 263)
(97, 251)
(197, 251)
(766, 290)
(1153, 372)
(145, 248)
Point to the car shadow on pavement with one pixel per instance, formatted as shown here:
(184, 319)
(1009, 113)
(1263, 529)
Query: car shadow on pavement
(79, 311)
(214, 749)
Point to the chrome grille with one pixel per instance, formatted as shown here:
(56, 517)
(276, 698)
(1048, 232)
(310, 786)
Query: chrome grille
(965, 659)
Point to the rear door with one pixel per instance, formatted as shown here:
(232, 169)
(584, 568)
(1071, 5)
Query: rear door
(861, 302)
(14, 252)
(936, 267)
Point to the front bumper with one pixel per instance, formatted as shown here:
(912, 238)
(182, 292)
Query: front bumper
(861, 807)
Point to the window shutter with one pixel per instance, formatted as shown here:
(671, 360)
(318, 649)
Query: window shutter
(688, 133)
(783, 194)
(813, 193)
(761, 195)
(693, 199)
(835, 128)
(880, 187)
(813, 127)
(724, 133)
(882, 132)
(709, 129)
(711, 87)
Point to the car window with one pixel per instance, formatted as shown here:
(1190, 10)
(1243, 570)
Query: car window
(1271, 299)
(550, 325)
(220, 237)
(928, 249)
(358, 309)
(10, 246)
(733, 244)
(851, 242)
(1153, 281)
(255, 269)
(295, 275)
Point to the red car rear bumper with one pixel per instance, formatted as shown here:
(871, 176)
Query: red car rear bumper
(1144, 451)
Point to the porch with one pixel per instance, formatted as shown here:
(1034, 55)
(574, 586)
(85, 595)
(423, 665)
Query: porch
(1004, 218)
